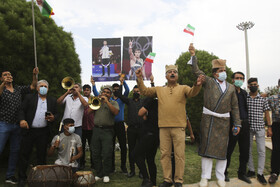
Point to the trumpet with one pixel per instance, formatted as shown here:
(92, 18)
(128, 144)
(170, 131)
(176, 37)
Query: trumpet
(95, 103)
(67, 83)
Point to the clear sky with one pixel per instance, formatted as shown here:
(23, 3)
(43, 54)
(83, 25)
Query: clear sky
(214, 20)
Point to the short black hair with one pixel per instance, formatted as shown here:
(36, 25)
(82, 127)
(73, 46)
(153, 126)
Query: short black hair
(67, 121)
(214, 70)
(86, 86)
(252, 79)
(2, 71)
(137, 50)
(115, 85)
(135, 87)
(238, 72)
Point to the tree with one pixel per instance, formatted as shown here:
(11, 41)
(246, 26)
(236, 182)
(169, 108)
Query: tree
(195, 104)
(55, 48)
(272, 90)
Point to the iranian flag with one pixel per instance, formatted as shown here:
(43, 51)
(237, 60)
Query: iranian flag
(150, 57)
(189, 29)
(45, 8)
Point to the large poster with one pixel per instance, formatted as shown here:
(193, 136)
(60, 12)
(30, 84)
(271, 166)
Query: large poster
(135, 51)
(106, 59)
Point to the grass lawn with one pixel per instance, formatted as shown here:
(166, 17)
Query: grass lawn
(192, 168)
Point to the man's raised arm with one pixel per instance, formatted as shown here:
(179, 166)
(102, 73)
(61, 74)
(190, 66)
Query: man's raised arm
(150, 92)
(195, 68)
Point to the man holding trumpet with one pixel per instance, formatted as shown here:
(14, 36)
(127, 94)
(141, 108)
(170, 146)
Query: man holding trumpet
(74, 106)
(102, 134)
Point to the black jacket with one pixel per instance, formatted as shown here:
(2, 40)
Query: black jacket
(29, 107)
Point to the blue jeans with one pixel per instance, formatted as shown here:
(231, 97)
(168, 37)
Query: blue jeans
(12, 132)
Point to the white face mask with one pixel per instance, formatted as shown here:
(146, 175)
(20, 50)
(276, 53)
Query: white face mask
(71, 129)
(222, 76)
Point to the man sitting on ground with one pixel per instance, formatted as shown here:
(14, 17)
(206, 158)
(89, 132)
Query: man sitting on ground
(68, 145)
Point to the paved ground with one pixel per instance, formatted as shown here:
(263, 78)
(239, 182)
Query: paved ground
(235, 182)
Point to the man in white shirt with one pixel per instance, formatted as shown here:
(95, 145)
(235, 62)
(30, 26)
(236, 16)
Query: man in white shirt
(74, 106)
(105, 56)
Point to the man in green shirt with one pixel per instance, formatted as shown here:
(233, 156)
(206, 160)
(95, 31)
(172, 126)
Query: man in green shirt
(102, 134)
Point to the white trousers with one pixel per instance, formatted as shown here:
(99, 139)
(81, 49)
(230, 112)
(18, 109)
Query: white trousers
(206, 165)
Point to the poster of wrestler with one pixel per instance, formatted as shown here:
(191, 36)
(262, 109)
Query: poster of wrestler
(135, 51)
(106, 59)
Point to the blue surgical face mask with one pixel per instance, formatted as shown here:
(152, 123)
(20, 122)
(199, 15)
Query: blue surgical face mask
(43, 90)
(222, 76)
(71, 129)
(238, 83)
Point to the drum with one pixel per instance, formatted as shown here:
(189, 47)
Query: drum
(50, 176)
(83, 178)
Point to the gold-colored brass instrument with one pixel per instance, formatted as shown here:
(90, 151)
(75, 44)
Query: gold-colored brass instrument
(95, 103)
(67, 83)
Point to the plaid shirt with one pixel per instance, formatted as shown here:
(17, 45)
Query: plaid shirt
(274, 103)
(256, 107)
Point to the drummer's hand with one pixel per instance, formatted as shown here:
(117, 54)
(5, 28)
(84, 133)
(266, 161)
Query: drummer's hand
(72, 159)
(56, 144)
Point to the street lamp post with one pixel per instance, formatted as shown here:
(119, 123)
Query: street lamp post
(244, 26)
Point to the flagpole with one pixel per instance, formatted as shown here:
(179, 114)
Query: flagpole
(34, 35)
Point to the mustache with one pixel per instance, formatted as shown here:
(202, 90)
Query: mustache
(172, 76)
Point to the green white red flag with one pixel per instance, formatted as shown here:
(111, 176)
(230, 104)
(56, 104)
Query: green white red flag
(189, 29)
(150, 57)
(45, 8)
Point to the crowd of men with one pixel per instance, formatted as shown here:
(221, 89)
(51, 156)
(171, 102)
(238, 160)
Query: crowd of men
(230, 115)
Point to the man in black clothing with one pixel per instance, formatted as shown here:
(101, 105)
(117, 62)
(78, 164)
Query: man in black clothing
(243, 137)
(146, 147)
(38, 112)
(134, 124)
(274, 103)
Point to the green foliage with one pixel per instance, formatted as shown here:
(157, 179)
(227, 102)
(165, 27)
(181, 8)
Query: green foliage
(55, 48)
(272, 90)
(186, 77)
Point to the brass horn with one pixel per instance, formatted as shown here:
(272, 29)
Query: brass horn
(95, 103)
(67, 83)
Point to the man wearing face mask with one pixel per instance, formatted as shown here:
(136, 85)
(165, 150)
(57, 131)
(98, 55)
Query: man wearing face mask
(274, 102)
(37, 113)
(68, 145)
(119, 125)
(134, 123)
(243, 138)
(220, 102)
(257, 105)
(75, 104)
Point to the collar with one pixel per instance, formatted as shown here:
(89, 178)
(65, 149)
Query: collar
(257, 96)
(172, 86)
(224, 82)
